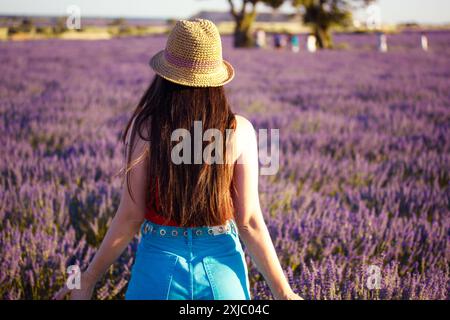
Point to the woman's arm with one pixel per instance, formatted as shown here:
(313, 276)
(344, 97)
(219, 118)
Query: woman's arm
(249, 218)
(123, 228)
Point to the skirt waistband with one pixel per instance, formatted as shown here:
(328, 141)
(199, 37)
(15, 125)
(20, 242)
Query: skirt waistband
(151, 228)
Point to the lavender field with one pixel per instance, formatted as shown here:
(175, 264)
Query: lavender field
(364, 168)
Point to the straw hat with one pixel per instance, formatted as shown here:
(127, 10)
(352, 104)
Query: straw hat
(193, 56)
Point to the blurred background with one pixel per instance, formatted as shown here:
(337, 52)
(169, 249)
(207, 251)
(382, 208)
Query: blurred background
(26, 19)
(360, 91)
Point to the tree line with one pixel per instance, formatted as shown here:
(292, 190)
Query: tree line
(319, 15)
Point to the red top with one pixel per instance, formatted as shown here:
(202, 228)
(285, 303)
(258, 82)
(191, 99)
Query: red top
(154, 217)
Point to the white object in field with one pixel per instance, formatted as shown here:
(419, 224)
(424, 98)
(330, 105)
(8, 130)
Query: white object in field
(424, 42)
(283, 40)
(382, 43)
(260, 38)
(311, 43)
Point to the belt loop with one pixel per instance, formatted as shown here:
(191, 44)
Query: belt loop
(234, 227)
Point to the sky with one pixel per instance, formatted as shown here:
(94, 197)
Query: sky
(391, 11)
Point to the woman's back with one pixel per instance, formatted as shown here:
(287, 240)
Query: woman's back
(237, 143)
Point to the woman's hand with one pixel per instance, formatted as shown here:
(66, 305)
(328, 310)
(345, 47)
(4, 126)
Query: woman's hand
(289, 295)
(293, 296)
(87, 285)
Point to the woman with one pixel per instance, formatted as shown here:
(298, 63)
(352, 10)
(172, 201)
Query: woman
(190, 246)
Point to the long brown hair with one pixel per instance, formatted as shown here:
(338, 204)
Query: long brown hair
(191, 194)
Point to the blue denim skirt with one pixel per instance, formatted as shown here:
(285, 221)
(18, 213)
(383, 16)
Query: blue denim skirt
(201, 263)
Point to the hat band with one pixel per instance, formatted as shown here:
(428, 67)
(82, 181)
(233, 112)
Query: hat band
(185, 63)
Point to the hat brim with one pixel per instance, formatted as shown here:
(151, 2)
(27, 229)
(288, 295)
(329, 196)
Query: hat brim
(185, 76)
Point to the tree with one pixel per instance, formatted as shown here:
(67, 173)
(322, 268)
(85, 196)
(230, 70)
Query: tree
(118, 22)
(244, 18)
(59, 25)
(26, 25)
(322, 15)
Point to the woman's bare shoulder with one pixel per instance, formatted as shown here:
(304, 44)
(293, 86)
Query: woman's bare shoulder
(244, 136)
(243, 125)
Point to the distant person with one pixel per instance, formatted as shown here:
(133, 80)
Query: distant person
(277, 41)
(284, 40)
(295, 44)
(382, 43)
(311, 43)
(191, 229)
(260, 38)
(424, 42)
